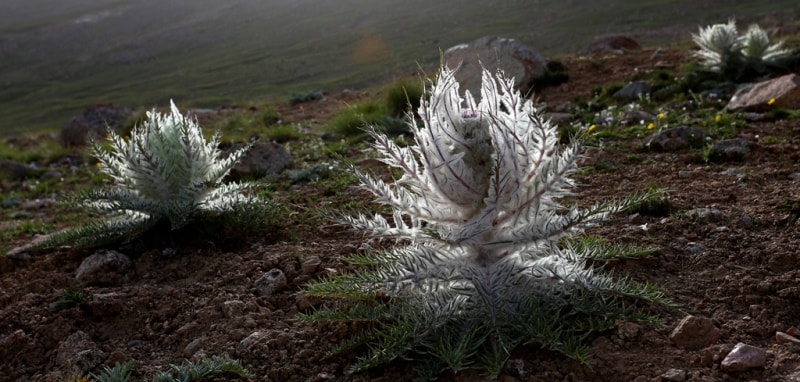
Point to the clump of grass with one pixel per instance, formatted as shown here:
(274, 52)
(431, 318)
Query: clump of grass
(403, 96)
(270, 117)
(70, 298)
(281, 133)
(353, 121)
(299, 97)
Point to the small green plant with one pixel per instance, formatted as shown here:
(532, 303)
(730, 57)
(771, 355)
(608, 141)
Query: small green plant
(194, 371)
(316, 172)
(70, 298)
(270, 117)
(281, 133)
(485, 263)
(403, 96)
(165, 173)
(353, 121)
(121, 372)
(299, 97)
(791, 206)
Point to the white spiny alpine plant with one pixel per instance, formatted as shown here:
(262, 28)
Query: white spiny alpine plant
(756, 45)
(165, 172)
(723, 50)
(719, 43)
(487, 258)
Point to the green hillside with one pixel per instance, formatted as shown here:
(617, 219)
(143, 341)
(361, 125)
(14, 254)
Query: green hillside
(55, 59)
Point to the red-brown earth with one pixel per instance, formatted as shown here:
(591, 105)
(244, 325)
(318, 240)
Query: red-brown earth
(738, 268)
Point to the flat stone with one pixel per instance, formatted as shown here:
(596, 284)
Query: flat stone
(705, 215)
(677, 138)
(104, 267)
(269, 283)
(785, 338)
(674, 375)
(694, 333)
(233, 308)
(634, 90)
(263, 159)
(744, 357)
(247, 344)
(781, 92)
(311, 264)
(730, 150)
(610, 44)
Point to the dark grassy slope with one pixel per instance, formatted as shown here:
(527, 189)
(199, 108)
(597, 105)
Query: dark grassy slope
(56, 59)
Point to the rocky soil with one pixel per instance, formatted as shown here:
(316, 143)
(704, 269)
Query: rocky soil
(729, 254)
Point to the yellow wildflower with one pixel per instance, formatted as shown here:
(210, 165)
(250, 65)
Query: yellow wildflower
(661, 115)
(591, 128)
(771, 101)
(651, 126)
(717, 118)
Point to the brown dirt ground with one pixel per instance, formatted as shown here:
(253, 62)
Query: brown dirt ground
(740, 270)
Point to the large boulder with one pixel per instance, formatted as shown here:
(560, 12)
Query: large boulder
(94, 123)
(514, 58)
(782, 92)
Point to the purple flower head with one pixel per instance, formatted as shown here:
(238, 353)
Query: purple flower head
(469, 113)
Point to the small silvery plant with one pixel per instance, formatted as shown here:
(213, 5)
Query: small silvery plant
(756, 45)
(165, 173)
(719, 44)
(487, 257)
(723, 50)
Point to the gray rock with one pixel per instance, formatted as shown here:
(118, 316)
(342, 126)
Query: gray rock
(247, 344)
(311, 264)
(610, 44)
(233, 308)
(269, 283)
(38, 204)
(495, 53)
(794, 176)
(633, 90)
(677, 138)
(783, 92)
(263, 159)
(694, 333)
(104, 267)
(786, 338)
(730, 150)
(705, 215)
(14, 171)
(633, 117)
(674, 375)
(78, 354)
(51, 174)
(744, 357)
(94, 123)
(193, 347)
(559, 117)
